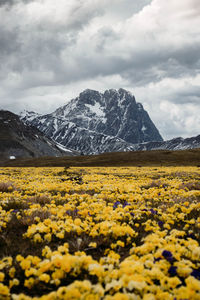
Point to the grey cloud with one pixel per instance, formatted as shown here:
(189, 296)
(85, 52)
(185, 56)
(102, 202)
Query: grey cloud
(9, 43)
(38, 48)
(187, 95)
(13, 2)
(6, 2)
(85, 45)
(125, 9)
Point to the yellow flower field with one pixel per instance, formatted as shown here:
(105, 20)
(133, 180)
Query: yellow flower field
(100, 233)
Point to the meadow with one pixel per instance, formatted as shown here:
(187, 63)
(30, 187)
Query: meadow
(114, 233)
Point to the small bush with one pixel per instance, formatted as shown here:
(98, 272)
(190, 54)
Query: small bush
(28, 220)
(40, 199)
(190, 186)
(14, 204)
(155, 184)
(6, 187)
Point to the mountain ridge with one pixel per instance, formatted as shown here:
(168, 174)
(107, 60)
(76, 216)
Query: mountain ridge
(97, 122)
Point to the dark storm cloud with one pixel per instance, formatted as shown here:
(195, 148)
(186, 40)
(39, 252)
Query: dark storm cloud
(6, 46)
(7, 2)
(13, 2)
(66, 50)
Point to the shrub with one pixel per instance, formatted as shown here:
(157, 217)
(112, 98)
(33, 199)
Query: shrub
(190, 186)
(40, 199)
(155, 184)
(6, 187)
(15, 204)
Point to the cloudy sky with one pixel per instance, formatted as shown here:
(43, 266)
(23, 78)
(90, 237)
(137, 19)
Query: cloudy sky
(51, 50)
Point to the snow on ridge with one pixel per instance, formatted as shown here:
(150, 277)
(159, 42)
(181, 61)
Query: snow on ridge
(62, 147)
(55, 125)
(29, 115)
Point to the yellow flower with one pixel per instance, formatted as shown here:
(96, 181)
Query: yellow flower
(149, 297)
(25, 264)
(72, 293)
(12, 272)
(47, 237)
(19, 258)
(2, 276)
(196, 253)
(13, 282)
(77, 222)
(37, 238)
(120, 243)
(117, 296)
(4, 290)
(163, 296)
(192, 283)
(60, 235)
(58, 274)
(36, 260)
(29, 283)
(93, 245)
(62, 292)
(44, 277)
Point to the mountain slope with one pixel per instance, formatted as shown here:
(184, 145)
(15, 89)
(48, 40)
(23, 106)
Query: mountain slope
(78, 138)
(174, 144)
(97, 122)
(21, 140)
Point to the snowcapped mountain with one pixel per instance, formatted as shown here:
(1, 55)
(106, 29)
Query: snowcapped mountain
(97, 122)
(113, 113)
(22, 140)
(174, 144)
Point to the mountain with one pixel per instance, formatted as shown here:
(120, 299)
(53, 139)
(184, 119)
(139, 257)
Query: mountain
(174, 144)
(22, 140)
(97, 122)
(78, 138)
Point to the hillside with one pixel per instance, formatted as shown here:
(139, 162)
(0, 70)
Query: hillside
(22, 140)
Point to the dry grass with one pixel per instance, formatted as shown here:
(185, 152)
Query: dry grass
(135, 158)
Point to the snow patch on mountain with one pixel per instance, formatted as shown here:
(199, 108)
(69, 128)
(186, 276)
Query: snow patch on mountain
(96, 109)
(143, 128)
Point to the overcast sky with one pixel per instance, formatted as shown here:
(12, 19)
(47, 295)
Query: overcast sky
(51, 50)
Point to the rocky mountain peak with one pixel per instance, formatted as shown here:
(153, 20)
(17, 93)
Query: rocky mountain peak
(113, 114)
(124, 94)
(140, 106)
(89, 97)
